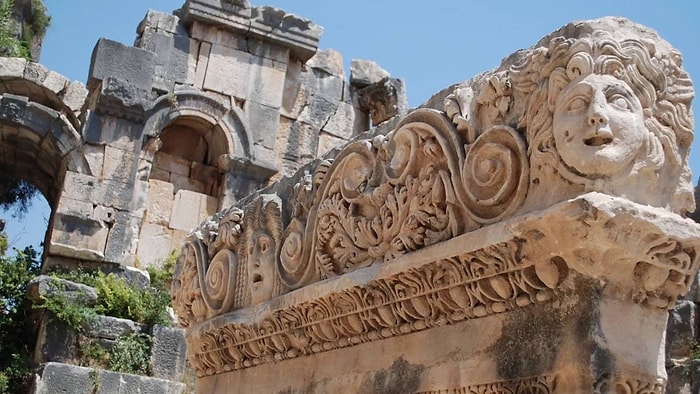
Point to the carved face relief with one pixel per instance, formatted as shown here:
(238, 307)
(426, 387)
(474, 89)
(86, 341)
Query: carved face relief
(598, 125)
(261, 267)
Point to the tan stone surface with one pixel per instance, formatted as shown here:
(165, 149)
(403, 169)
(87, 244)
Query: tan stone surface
(191, 208)
(154, 244)
(118, 164)
(180, 182)
(159, 203)
(172, 164)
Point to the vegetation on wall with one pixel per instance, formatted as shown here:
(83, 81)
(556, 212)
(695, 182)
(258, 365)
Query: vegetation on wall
(146, 306)
(16, 323)
(16, 41)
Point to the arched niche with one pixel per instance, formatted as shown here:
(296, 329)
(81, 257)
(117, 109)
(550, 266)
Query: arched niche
(187, 137)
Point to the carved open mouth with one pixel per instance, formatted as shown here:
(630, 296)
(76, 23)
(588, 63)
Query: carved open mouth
(257, 278)
(597, 141)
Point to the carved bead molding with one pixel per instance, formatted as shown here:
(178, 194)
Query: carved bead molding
(637, 253)
(536, 385)
(552, 384)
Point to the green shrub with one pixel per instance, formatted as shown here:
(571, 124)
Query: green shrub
(143, 305)
(10, 44)
(116, 298)
(131, 354)
(16, 321)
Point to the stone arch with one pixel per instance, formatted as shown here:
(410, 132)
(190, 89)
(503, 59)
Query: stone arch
(194, 104)
(39, 123)
(43, 86)
(39, 144)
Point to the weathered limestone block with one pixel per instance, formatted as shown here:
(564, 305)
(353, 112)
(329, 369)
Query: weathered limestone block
(366, 72)
(159, 203)
(265, 121)
(111, 59)
(122, 240)
(172, 164)
(227, 72)
(13, 67)
(64, 378)
(121, 99)
(108, 327)
(55, 341)
(78, 237)
(191, 208)
(106, 130)
(44, 286)
(270, 24)
(488, 241)
(169, 353)
(119, 164)
(154, 243)
(329, 61)
(164, 35)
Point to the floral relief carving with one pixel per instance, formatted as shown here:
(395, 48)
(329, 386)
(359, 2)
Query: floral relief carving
(597, 113)
(419, 185)
(665, 271)
(468, 286)
(535, 385)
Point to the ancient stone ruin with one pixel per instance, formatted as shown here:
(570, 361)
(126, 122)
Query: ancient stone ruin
(523, 231)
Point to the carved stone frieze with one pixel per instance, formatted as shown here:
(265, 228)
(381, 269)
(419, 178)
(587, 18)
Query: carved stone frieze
(472, 276)
(549, 188)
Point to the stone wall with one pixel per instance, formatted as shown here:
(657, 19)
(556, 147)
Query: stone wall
(200, 112)
(210, 104)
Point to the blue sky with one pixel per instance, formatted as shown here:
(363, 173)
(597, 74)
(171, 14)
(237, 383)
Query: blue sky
(429, 44)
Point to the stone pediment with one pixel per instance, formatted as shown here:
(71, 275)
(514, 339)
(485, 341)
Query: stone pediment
(538, 204)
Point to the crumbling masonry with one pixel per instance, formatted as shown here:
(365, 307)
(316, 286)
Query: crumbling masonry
(322, 227)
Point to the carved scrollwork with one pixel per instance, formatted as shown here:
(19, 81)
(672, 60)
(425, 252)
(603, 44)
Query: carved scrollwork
(229, 232)
(664, 272)
(202, 289)
(413, 188)
(495, 174)
(535, 385)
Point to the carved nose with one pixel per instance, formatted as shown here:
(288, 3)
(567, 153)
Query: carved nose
(596, 112)
(596, 118)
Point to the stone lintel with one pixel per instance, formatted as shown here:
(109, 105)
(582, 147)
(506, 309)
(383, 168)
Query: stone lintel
(535, 299)
(255, 169)
(300, 35)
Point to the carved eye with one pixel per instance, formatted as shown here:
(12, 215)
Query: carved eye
(576, 104)
(264, 244)
(620, 102)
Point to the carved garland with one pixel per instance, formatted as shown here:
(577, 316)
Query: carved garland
(492, 280)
